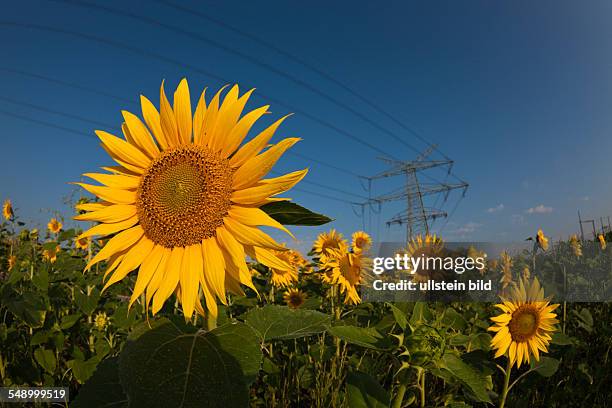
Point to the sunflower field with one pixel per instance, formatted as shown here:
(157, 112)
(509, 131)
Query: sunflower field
(171, 295)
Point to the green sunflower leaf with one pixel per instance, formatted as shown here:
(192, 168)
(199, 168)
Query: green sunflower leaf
(365, 392)
(367, 337)
(175, 365)
(273, 322)
(103, 389)
(288, 213)
(469, 376)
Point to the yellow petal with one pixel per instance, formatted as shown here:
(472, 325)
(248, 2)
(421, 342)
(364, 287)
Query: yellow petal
(254, 217)
(130, 168)
(250, 235)
(132, 260)
(182, 111)
(242, 128)
(123, 150)
(189, 278)
(115, 180)
(512, 353)
(157, 277)
(92, 206)
(151, 117)
(140, 134)
(118, 243)
(214, 267)
(198, 118)
(226, 118)
(261, 192)
(253, 147)
(109, 214)
(111, 195)
(145, 273)
(257, 167)
(122, 170)
(210, 119)
(268, 258)
(235, 252)
(170, 280)
(107, 229)
(168, 121)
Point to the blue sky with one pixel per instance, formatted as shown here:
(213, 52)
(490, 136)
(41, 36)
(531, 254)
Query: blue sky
(518, 94)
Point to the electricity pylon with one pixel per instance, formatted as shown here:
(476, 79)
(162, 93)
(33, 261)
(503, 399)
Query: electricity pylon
(416, 215)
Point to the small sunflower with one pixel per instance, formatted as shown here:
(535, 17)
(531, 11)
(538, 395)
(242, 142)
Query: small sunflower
(344, 269)
(524, 327)
(602, 241)
(542, 240)
(526, 273)
(361, 241)
(294, 298)
(285, 277)
(430, 246)
(54, 226)
(12, 260)
(51, 254)
(329, 240)
(576, 246)
(82, 243)
(7, 210)
(101, 321)
(184, 199)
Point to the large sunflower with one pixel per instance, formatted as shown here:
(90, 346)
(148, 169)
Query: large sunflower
(184, 199)
(524, 327)
(344, 269)
(329, 240)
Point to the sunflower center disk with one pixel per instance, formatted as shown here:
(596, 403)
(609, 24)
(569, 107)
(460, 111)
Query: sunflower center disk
(524, 323)
(184, 196)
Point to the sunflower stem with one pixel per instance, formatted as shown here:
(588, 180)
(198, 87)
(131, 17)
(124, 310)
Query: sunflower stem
(504, 394)
(399, 398)
(422, 387)
(211, 322)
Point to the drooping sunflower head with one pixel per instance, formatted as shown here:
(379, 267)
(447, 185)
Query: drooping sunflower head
(12, 260)
(344, 269)
(54, 226)
(361, 241)
(429, 246)
(82, 243)
(525, 326)
(328, 241)
(576, 246)
(183, 201)
(7, 210)
(50, 254)
(602, 241)
(283, 277)
(506, 269)
(542, 240)
(294, 298)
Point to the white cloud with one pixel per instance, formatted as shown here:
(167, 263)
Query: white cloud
(540, 209)
(518, 219)
(585, 198)
(465, 230)
(495, 209)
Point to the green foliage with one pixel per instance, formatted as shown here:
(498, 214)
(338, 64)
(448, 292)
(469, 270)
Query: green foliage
(288, 213)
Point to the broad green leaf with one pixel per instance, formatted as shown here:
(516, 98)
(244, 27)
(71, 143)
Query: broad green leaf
(469, 376)
(274, 322)
(171, 365)
(365, 392)
(480, 341)
(399, 315)
(87, 304)
(83, 369)
(367, 337)
(29, 307)
(459, 340)
(453, 319)
(40, 337)
(561, 339)
(69, 321)
(122, 318)
(546, 367)
(40, 278)
(420, 314)
(103, 389)
(46, 359)
(288, 213)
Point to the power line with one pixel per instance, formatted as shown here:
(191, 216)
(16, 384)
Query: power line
(149, 54)
(251, 59)
(83, 119)
(300, 61)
